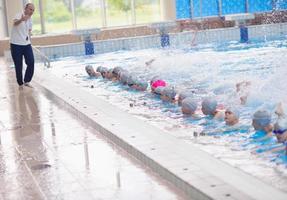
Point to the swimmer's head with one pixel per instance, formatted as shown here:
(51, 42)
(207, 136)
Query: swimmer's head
(209, 106)
(89, 70)
(158, 83)
(261, 119)
(231, 116)
(117, 71)
(188, 106)
(169, 93)
(142, 85)
(99, 68)
(184, 94)
(280, 129)
(124, 76)
(104, 72)
(132, 80)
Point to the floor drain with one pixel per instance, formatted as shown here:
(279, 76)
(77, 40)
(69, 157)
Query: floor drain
(40, 166)
(212, 185)
(185, 169)
(152, 149)
(133, 136)
(227, 195)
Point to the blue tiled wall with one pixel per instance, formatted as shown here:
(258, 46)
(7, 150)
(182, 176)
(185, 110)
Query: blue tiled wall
(211, 7)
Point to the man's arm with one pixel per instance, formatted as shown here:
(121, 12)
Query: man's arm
(22, 19)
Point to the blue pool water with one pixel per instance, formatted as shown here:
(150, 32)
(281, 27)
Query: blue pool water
(207, 70)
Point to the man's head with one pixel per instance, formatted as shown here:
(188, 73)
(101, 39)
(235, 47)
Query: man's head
(29, 9)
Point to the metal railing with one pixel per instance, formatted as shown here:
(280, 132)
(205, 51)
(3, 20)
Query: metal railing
(44, 58)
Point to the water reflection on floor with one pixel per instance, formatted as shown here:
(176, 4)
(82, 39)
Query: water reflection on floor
(46, 153)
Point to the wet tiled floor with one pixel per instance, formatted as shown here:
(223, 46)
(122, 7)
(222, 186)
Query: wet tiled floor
(47, 153)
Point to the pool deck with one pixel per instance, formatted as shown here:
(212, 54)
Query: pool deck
(196, 173)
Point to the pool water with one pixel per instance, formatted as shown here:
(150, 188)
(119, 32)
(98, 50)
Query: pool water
(206, 70)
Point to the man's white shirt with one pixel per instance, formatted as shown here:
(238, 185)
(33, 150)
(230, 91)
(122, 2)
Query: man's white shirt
(20, 33)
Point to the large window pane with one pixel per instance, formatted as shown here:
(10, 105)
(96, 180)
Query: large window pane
(118, 12)
(147, 11)
(36, 30)
(88, 13)
(58, 17)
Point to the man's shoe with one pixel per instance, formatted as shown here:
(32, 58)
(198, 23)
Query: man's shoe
(28, 85)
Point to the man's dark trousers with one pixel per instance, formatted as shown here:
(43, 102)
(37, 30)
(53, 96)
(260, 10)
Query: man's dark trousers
(18, 51)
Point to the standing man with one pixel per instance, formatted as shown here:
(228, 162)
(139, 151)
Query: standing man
(20, 43)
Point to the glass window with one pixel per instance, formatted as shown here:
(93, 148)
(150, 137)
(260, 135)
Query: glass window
(57, 16)
(118, 12)
(147, 11)
(88, 14)
(36, 29)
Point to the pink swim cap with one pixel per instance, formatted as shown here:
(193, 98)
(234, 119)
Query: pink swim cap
(158, 83)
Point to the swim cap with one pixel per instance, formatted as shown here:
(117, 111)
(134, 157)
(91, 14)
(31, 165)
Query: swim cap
(169, 92)
(141, 83)
(234, 110)
(262, 118)
(90, 70)
(117, 70)
(184, 94)
(124, 76)
(209, 106)
(99, 68)
(189, 105)
(158, 83)
(131, 80)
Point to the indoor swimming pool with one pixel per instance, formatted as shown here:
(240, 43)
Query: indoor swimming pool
(209, 70)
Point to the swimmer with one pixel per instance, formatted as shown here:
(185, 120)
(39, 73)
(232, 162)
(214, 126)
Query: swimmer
(231, 116)
(91, 72)
(116, 73)
(261, 121)
(103, 71)
(188, 106)
(209, 107)
(169, 94)
(182, 95)
(280, 131)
